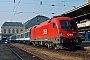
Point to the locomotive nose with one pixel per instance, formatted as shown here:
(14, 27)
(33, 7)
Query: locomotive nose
(68, 34)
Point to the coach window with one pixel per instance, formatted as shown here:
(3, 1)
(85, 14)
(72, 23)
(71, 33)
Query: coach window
(25, 35)
(22, 35)
(54, 25)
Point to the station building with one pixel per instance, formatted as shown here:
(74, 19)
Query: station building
(10, 28)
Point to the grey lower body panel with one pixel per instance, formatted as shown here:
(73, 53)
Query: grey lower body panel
(53, 40)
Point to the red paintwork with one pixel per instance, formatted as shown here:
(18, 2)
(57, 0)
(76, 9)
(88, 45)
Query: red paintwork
(45, 29)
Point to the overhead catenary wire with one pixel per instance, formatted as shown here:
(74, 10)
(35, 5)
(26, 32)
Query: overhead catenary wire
(16, 9)
(54, 6)
(44, 2)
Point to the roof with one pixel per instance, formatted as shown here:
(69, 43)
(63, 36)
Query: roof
(12, 24)
(79, 13)
(34, 21)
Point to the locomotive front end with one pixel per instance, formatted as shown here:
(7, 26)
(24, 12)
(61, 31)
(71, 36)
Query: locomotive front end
(69, 33)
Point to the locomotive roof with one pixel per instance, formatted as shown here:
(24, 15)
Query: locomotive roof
(46, 22)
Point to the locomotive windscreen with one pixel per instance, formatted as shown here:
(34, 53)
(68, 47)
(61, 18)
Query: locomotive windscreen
(67, 25)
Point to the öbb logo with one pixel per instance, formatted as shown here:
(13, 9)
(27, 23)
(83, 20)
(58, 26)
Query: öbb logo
(69, 34)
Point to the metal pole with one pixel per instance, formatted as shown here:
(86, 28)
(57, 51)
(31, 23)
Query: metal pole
(86, 35)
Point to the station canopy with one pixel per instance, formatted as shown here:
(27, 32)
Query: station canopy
(79, 13)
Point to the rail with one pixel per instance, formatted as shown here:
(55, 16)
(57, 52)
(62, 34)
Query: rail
(15, 53)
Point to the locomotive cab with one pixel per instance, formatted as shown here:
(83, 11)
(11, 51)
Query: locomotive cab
(68, 32)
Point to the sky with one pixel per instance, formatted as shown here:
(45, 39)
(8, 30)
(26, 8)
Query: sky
(23, 10)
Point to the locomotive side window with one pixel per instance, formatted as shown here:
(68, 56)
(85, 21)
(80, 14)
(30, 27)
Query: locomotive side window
(54, 25)
(67, 25)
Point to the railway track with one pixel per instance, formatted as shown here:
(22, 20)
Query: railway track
(22, 55)
(52, 54)
(6, 54)
(15, 53)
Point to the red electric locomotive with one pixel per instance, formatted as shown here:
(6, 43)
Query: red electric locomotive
(56, 32)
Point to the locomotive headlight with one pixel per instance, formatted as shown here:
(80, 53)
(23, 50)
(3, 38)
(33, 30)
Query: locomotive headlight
(61, 34)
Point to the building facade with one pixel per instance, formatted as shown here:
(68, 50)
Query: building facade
(10, 28)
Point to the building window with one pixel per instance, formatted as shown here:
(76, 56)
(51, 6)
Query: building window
(13, 31)
(17, 30)
(4, 30)
(21, 30)
(9, 30)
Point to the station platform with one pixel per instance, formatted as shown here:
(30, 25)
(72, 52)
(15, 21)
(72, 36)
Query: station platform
(86, 45)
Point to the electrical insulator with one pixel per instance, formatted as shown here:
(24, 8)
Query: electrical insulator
(14, 1)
